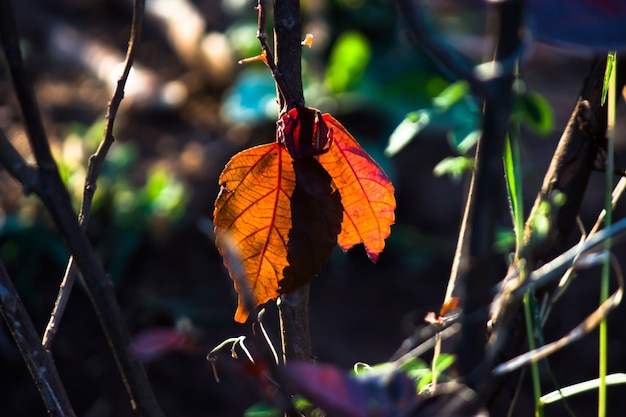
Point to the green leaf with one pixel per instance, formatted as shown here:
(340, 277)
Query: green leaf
(348, 59)
(262, 410)
(464, 137)
(513, 182)
(443, 362)
(558, 395)
(412, 124)
(505, 241)
(453, 109)
(534, 110)
(451, 95)
(610, 63)
(416, 368)
(453, 166)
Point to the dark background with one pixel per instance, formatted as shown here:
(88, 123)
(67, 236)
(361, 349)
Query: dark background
(163, 261)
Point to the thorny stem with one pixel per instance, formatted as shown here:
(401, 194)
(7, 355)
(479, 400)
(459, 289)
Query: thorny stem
(96, 162)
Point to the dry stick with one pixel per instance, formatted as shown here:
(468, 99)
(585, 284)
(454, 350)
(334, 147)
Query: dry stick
(576, 155)
(473, 273)
(39, 361)
(574, 159)
(96, 162)
(50, 188)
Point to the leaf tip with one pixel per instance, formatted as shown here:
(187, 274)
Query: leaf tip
(241, 315)
(373, 256)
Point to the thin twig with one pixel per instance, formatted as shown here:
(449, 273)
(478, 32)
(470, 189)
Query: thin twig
(39, 361)
(591, 322)
(96, 161)
(52, 192)
(285, 96)
(481, 271)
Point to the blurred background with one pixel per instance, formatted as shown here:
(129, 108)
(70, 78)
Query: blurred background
(188, 108)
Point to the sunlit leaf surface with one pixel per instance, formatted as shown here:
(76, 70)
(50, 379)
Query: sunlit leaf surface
(283, 207)
(367, 194)
(280, 217)
(253, 211)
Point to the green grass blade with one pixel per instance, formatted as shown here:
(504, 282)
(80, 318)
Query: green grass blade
(581, 387)
(610, 84)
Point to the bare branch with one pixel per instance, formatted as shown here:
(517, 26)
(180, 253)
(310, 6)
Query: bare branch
(52, 191)
(13, 162)
(38, 360)
(294, 307)
(480, 273)
(96, 162)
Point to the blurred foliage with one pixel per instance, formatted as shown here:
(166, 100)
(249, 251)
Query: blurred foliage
(416, 368)
(366, 64)
(125, 208)
(453, 166)
(453, 109)
(363, 61)
(375, 379)
(348, 60)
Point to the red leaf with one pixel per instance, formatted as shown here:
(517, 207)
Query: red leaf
(383, 394)
(281, 217)
(366, 192)
(154, 343)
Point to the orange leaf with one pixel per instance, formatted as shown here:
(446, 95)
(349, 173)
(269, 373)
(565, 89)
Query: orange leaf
(253, 211)
(367, 194)
(279, 216)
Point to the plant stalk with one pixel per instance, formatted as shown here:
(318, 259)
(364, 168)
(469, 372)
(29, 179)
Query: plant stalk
(608, 218)
(293, 308)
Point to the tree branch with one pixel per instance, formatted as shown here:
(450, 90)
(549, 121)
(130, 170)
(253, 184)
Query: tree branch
(96, 162)
(294, 307)
(52, 191)
(478, 272)
(581, 145)
(38, 360)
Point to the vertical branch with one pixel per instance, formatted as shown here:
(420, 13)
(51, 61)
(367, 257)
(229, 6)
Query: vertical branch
(50, 189)
(288, 47)
(480, 273)
(294, 307)
(38, 360)
(96, 162)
